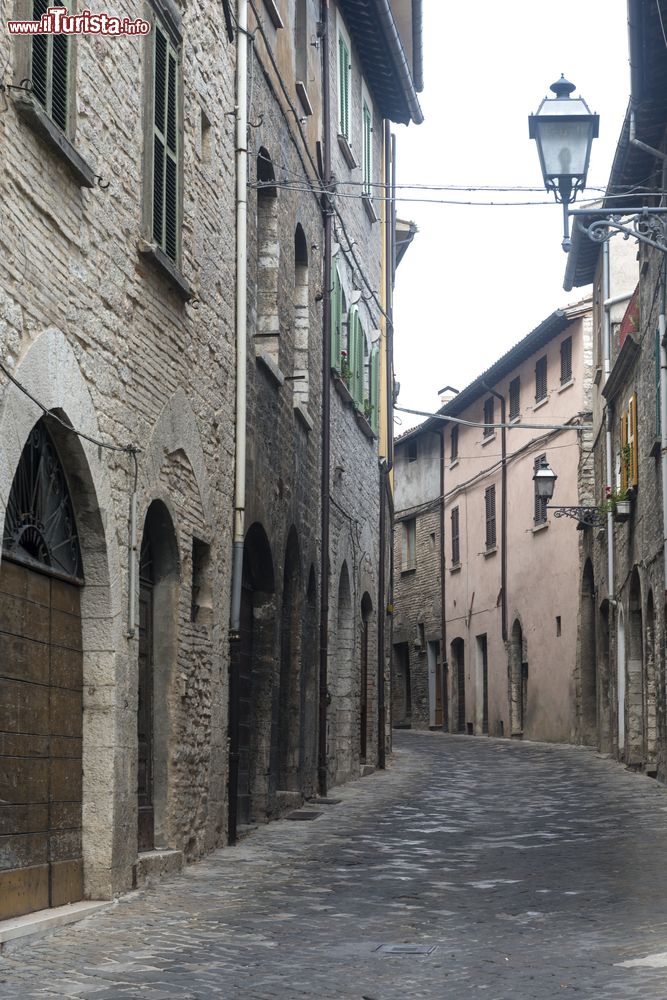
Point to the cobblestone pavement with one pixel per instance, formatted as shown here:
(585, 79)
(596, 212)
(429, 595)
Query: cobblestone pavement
(536, 872)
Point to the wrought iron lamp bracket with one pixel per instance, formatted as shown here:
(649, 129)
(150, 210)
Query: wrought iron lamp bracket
(587, 517)
(647, 225)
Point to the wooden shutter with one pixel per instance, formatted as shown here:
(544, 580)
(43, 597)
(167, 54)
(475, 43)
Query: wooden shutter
(166, 145)
(633, 471)
(374, 388)
(624, 442)
(490, 513)
(456, 550)
(368, 150)
(540, 503)
(540, 380)
(50, 67)
(344, 87)
(566, 361)
(356, 359)
(336, 319)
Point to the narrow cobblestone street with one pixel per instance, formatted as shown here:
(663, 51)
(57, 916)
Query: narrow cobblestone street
(535, 871)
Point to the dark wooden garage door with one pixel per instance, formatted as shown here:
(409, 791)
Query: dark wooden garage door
(40, 741)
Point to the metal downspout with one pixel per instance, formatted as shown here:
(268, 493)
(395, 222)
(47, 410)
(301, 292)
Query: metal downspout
(322, 763)
(241, 390)
(606, 360)
(503, 511)
(443, 590)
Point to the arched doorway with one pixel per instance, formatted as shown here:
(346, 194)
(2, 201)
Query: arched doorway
(635, 676)
(341, 737)
(588, 658)
(252, 702)
(518, 681)
(620, 680)
(366, 612)
(289, 690)
(650, 656)
(459, 679)
(41, 680)
(159, 585)
(309, 691)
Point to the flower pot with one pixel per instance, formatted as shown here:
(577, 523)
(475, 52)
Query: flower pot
(622, 510)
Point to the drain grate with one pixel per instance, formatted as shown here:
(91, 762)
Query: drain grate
(303, 814)
(407, 949)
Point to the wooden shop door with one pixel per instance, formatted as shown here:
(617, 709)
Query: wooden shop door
(146, 816)
(41, 723)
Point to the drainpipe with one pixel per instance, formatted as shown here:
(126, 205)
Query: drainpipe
(326, 408)
(503, 512)
(241, 375)
(443, 587)
(606, 360)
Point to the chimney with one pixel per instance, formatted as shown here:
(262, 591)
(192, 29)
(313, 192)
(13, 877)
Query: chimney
(447, 394)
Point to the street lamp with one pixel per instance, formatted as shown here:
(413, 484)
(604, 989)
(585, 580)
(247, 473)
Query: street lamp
(564, 129)
(545, 480)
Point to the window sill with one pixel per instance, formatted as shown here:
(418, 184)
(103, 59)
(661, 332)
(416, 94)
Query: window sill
(346, 150)
(301, 413)
(274, 13)
(487, 439)
(364, 425)
(342, 389)
(369, 207)
(656, 448)
(406, 572)
(539, 527)
(541, 402)
(566, 385)
(515, 420)
(302, 94)
(270, 369)
(453, 463)
(456, 568)
(34, 115)
(490, 552)
(164, 264)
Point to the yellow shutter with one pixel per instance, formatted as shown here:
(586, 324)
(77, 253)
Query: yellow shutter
(633, 472)
(624, 441)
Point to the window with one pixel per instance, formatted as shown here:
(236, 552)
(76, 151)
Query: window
(456, 548)
(374, 389)
(166, 143)
(412, 450)
(301, 42)
(202, 596)
(338, 309)
(488, 417)
(490, 515)
(541, 379)
(50, 68)
(540, 503)
(409, 545)
(344, 86)
(356, 343)
(267, 331)
(566, 361)
(629, 448)
(515, 398)
(454, 444)
(367, 151)
(301, 317)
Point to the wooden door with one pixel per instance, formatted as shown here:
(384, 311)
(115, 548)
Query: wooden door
(41, 724)
(461, 688)
(146, 819)
(363, 718)
(245, 705)
(438, 685)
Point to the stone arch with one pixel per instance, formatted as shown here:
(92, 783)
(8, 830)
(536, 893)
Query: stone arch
(518, 676)
(289, 681)
(301, 317)
(309, 689)
(457, 657)
(635, 674)
(341, 682)
(651, 687)
(588, 657)
(49, 371)
(159, 594)
(268, 258)
(365, 674)
(257, 653)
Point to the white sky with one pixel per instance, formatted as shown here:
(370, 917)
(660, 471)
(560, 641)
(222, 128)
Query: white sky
(477, 280)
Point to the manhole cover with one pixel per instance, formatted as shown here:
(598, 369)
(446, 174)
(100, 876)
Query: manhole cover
(303, 814)
(407, 949)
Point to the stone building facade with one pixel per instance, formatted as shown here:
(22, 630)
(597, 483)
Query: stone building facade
(624, 572)
(511, 610)
(118, 432)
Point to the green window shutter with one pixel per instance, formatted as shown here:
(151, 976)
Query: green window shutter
(166, 143)
(336, 320)
(374, 388)
(344, 87)
(368, 151)
(50, 68)
(357, 360)
(658, 421)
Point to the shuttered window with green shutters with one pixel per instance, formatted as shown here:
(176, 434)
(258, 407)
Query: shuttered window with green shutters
(336, 319)
(367, 123)
(356, 342)
(50, 68)
(343, 88)
(374, 388)
(166, 144)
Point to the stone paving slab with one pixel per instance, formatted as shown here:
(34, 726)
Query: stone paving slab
(535, 871)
